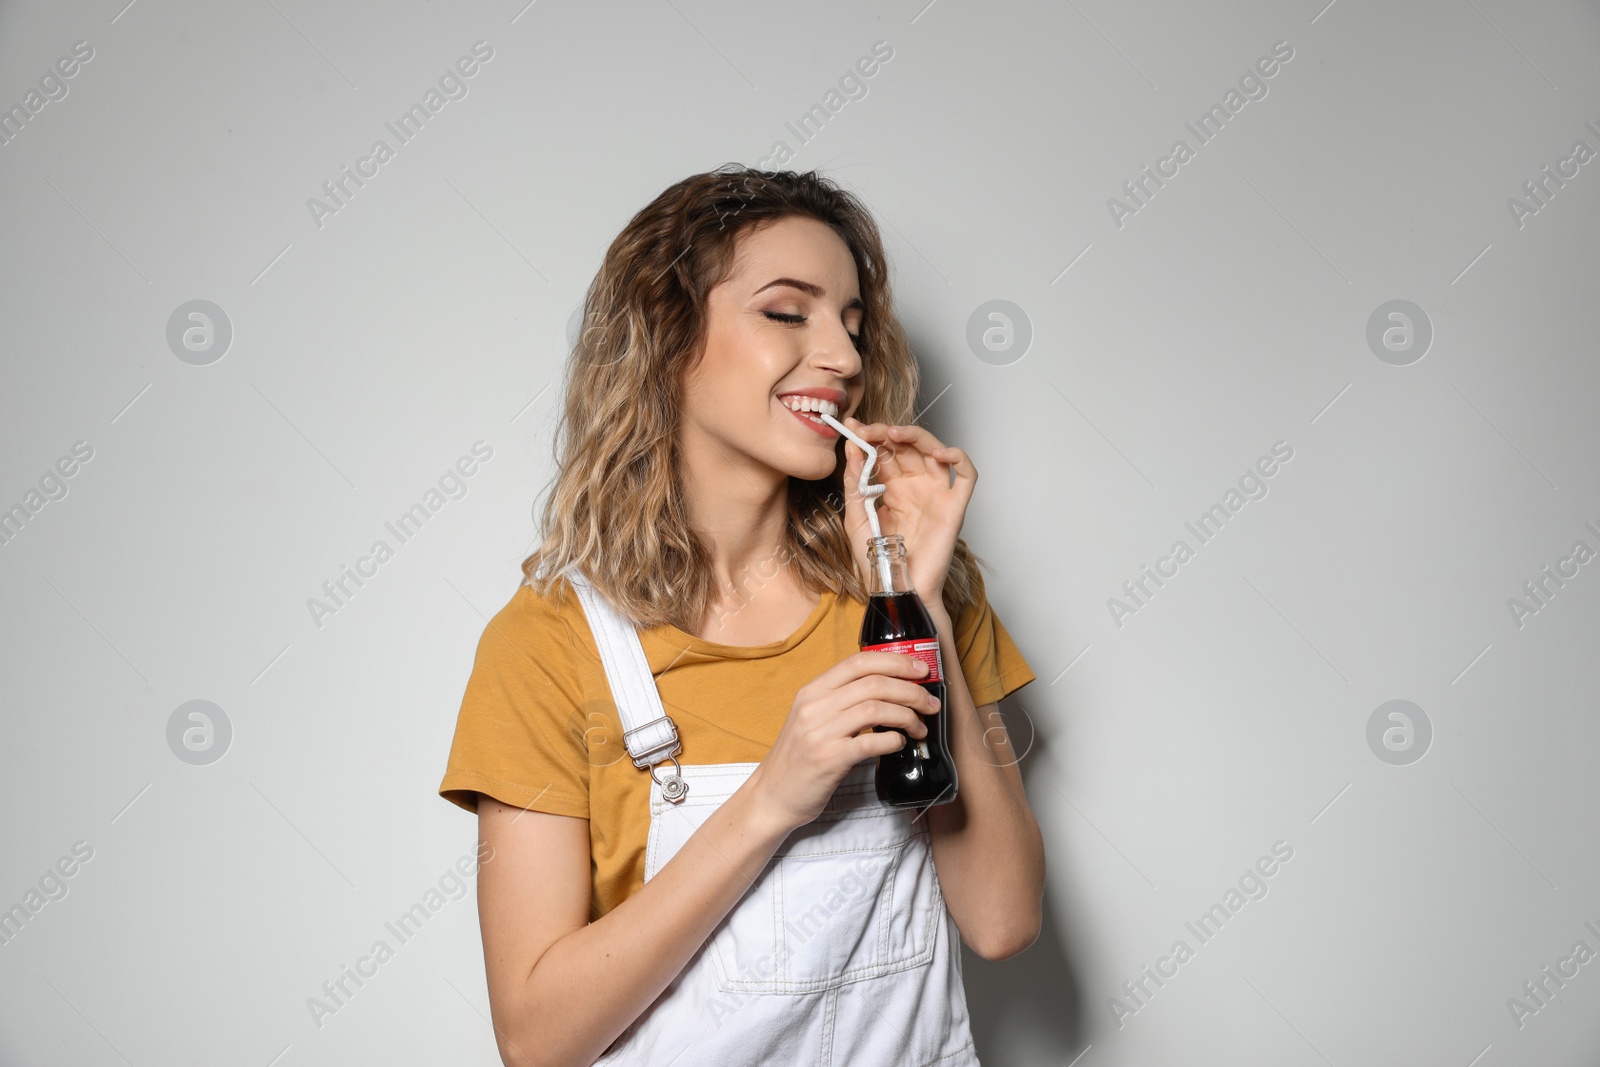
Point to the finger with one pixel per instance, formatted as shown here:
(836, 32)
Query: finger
(897, 683)
(875, 434)
(861, 664)
(907, 460)
(919, 456)
(872, 744)
(877, 714)
(903, 691)
(905, 713)
(958, 459)
(888, 458)
(858, 715)
(853, 458)
(919, 437)
(871, 713)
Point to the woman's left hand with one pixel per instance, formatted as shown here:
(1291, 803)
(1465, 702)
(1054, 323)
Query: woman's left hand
(919, 502)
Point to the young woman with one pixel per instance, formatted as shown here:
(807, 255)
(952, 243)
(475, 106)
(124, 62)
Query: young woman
(714, 537)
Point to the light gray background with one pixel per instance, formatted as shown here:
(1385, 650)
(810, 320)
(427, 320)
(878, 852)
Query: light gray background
(1168, 354)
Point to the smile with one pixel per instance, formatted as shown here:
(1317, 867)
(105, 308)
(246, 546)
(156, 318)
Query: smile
(806, 409)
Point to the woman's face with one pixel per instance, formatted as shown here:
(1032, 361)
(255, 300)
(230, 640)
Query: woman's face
(783, 322)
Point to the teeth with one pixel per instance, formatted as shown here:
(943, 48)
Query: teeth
(812, 405)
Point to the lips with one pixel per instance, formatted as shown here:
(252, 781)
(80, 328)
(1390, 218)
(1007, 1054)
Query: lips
(809, 419)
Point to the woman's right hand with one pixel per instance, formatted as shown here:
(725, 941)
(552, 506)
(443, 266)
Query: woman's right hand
(818, 743)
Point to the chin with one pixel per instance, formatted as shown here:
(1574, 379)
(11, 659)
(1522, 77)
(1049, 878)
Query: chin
(811, 471)
(808, 460)
(809, 466)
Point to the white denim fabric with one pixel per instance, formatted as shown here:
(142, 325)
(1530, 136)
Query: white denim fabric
(842, 951)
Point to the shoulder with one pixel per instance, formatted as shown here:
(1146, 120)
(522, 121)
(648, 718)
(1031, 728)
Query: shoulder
(521, 732)
(532, 615)
(543, 632)
(994, 665)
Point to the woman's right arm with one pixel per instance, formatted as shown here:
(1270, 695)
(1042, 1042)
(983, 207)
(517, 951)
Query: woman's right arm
(562, 988)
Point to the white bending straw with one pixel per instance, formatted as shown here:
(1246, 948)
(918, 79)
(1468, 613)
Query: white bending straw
(869, 495)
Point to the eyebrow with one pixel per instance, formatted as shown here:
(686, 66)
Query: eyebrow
(808, 287)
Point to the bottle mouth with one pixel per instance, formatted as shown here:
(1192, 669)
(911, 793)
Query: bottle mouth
(886, 545)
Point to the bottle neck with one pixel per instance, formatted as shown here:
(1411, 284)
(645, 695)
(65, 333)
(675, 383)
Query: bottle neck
(886, 566)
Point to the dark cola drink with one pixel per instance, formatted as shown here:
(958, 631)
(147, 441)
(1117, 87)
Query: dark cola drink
(921, 772)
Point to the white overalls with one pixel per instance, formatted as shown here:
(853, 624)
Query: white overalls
(842, 952)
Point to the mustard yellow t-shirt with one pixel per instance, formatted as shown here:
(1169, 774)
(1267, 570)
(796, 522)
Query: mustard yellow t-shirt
(538, 729)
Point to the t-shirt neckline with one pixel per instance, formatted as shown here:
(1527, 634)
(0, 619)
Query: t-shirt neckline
(690, 643)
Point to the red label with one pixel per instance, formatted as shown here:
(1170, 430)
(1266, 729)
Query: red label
(925, 650)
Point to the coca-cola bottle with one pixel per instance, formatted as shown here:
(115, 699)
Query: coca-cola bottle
(921, 772)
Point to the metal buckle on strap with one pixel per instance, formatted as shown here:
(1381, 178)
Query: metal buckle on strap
(673, 787)
(668, 745)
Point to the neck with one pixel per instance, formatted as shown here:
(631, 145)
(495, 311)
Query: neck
(740, 508)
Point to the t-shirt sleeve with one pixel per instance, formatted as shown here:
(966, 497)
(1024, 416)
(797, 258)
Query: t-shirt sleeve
(990, 660)
(520, 732)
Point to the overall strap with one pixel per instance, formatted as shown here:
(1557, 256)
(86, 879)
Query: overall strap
(648, 733)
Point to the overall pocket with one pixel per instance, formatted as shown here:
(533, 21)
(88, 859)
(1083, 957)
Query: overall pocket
(849, 896)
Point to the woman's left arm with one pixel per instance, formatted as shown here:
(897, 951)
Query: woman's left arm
(986, 845)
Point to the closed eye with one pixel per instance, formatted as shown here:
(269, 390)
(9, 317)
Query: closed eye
(779, 316)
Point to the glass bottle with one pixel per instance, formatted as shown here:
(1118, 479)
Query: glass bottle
(921, 773)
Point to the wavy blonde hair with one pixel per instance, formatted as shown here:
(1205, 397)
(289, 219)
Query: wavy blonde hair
(616, 507)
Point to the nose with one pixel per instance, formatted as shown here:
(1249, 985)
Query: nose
(836, 353)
